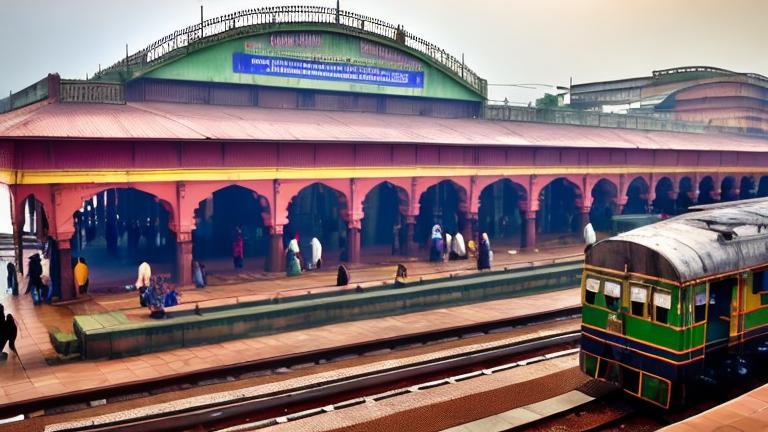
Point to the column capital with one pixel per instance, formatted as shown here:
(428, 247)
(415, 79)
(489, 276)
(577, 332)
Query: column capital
(184, 237)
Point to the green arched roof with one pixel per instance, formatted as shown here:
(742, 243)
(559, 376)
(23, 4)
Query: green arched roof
(254, 22)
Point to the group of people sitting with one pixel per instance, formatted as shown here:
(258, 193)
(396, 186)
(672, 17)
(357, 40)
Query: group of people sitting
(294, 261)
(449, 248)
(155, 292)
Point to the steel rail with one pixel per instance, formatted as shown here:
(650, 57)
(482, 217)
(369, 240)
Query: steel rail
(318, 394)
(238, 369)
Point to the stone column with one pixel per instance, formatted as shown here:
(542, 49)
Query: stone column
(183, 258)
(353, 242)
(275, 254)
(470, 227)
(529, 220)
(66, 271)
(411, 247)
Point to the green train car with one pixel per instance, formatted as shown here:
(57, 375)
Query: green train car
(667, 304)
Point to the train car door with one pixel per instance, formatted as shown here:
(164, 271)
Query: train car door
(719, 310)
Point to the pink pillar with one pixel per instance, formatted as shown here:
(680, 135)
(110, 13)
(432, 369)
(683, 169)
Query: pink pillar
(529, 219)
(353, 242)
(275, 254)
(184, 258)
(66, 272)
(411, 247)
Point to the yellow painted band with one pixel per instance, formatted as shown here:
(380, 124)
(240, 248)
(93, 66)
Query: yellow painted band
(234, 174)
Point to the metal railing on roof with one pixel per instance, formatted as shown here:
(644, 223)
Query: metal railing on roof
(238, 23)
(684, 69)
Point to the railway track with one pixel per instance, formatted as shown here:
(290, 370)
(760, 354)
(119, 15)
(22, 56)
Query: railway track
(303, 401)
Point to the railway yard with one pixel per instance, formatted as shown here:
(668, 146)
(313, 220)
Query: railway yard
(488, 365)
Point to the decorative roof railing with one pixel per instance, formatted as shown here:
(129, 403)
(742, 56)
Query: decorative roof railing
(684, 69)
(227, 26)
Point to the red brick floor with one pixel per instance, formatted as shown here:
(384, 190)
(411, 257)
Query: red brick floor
(29, 375)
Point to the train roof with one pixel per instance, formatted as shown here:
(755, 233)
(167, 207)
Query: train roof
(710, 240)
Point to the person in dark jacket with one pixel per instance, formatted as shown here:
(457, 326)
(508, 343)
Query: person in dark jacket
(484, 254)
(342, 277)
(35, 274)
(13, 282)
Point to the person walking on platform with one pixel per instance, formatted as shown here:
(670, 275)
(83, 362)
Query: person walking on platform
(35, 274)
(8, 333)
(197, 275)
(237, 249)
(436, 249)
(342, 276)
(81, 276)
(13, 281)
(484, 257)
(316, 259)
(292, 262)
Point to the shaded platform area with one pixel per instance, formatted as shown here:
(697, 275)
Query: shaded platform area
(748, 412)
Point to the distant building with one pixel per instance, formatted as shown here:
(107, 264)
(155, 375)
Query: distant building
(716, 97)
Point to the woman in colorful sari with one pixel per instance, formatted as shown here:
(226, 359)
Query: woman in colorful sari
(292, 263)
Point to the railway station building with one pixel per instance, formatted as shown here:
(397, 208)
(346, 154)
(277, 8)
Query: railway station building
(323, 123)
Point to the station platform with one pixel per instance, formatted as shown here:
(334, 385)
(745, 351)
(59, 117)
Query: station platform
(748, 412)
(35, 372)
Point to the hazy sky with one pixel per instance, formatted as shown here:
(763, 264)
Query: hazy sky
(504, 41)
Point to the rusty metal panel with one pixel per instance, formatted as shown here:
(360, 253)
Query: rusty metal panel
(201, 154)
(521, 156)
(296, 154)
(156, 155)
(335, 154)
(492, 157)
(104, 155)
(250, 154)
(404, 155)
(373, 155)
(232, 96)
(715, 239)
(428, 155)
(453, 156)
(277, 98)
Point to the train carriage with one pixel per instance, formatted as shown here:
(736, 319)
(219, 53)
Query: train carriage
(667, 303)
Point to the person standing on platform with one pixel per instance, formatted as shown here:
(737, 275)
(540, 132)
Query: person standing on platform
(484, 257)
(447, 246)
(237, 249)
(197, 275)
(13, 281)
(292, 262)
(458, 249)
(81, 276)
(401, 276)
(316, 258)
(436, 249)
(35, 274)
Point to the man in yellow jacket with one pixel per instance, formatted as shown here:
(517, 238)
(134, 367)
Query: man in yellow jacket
(81, 276)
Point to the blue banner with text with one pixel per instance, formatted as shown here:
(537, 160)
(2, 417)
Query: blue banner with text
(319, 70)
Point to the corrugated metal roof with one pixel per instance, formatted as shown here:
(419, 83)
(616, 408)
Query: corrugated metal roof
(151, 120)
(721, 239)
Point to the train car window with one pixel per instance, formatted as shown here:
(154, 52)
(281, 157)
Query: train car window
(592, 286)
(760, 286)
(700, 303)
(612, 291)
(638, 298)
(662, 302)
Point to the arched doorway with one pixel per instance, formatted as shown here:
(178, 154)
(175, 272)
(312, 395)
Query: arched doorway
(747, 188)
(119, 228)
(383, 229)
(558, 209)
(707, 193)
(229, 212)
(686, 196)
(728, 190)
(762, 188)
(441, 204)
(318, 211)
(637, 197)
(499, 212)
(665, 197)
(604, 195)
